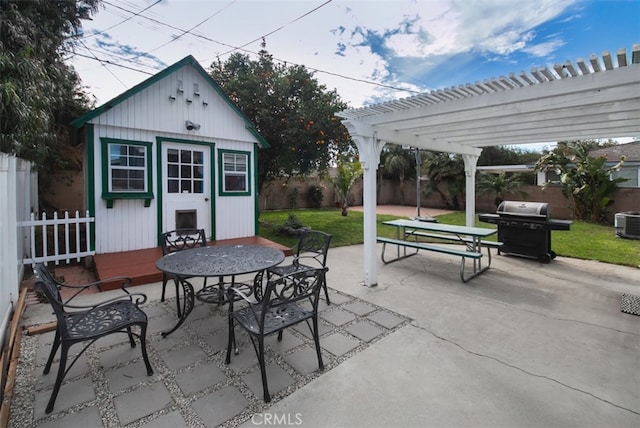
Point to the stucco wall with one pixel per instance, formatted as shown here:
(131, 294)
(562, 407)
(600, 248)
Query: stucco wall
(277, 196)
(65, 193)
(390, 192)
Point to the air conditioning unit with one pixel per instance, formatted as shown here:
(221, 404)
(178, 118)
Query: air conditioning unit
(628, 224)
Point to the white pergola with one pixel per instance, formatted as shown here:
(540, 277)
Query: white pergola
(598, 98)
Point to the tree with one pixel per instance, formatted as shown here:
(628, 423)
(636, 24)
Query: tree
(39, 93)
(290, 109)
(444, 169)
(397, 164)
(347, 174)
(499, 185)
(584, 179)
(504, 155)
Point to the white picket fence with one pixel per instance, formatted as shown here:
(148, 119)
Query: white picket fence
(58, 239)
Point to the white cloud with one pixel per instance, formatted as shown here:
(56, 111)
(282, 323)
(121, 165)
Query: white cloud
(392, 42)
(544, 49)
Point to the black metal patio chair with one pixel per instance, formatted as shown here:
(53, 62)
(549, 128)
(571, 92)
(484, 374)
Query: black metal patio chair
(178, 240)
(87, 323)
(276, 308)
(310, 252)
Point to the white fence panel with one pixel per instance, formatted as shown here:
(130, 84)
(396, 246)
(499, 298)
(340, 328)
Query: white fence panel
(17, 192)
(56, 239)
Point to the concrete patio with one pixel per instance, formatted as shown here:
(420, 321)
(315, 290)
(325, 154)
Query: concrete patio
(525, 344)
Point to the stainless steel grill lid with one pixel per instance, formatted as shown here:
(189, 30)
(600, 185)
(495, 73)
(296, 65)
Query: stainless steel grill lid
(524, 209)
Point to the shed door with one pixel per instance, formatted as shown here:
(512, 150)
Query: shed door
(187, 187)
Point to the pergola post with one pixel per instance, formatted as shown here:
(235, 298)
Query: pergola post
(470, 162)
(369, 148)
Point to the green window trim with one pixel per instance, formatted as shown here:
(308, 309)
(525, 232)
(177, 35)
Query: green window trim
(109, 195)
(222, 173)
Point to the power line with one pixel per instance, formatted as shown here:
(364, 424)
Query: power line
(134, 14)
(115, 64)
(106, 68)
(279, 28)
(189, 31)
(233, 48)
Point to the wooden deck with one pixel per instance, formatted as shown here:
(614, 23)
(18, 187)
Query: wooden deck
(140, 265)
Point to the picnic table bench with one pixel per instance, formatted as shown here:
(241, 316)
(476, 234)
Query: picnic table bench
(471, 237)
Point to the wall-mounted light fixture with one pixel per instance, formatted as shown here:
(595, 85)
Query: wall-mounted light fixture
(196, 90)
(180, 90)
(172, 97)
(188, 100)
(205, 103)
(191, 126)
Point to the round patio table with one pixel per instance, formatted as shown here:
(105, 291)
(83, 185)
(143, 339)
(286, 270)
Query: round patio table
(215, 261)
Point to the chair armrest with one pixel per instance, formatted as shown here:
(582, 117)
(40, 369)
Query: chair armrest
(126, 282)
(300, 260)
(136, 298)
(231, 291)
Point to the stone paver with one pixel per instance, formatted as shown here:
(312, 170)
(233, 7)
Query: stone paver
(277, 380)
(304, 360)
(192, 386)
(182, 357)
(220, 406)
(364, 330)
(338, 316)
(86, 417)
(199, 378)
(143, 401)
(386, 319)
(126, 376)
(338, 344)
(170, 420)
(360, 308)
(71, 394)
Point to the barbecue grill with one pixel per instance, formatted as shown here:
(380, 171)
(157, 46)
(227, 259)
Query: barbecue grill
(525, 228)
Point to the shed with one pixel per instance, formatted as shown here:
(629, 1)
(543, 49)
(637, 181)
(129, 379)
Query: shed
(169, 153)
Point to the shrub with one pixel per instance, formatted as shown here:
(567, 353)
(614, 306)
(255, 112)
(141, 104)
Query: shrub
(291, 227)
(316, 195)
(293, 198)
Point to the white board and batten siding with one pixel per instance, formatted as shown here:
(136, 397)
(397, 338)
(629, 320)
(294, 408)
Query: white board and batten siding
(156, 113)
(152, 110)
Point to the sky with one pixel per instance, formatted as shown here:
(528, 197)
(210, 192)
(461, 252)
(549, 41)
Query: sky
(369, 51)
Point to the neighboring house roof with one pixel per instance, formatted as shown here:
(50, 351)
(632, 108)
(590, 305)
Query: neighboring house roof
(631, 152)
(188, 60)
(505, 168)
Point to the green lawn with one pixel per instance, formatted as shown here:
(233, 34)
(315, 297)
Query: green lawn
(584, 240)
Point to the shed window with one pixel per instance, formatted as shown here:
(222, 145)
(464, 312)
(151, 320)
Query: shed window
(127, 167)
(126, 170)
(234, 169)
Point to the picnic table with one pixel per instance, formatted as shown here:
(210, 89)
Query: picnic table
(408, 233)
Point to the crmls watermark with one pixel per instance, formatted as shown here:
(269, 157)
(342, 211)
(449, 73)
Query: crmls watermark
(277, 419)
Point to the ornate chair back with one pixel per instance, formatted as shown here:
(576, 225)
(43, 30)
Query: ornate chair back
(49, 286)
(182, 239)
(278, 308)
(178, 240)
(313, 247)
